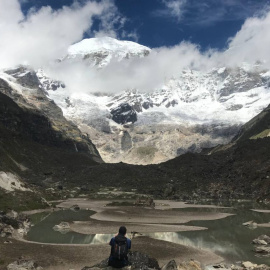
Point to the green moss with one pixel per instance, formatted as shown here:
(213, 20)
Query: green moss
(20, 201)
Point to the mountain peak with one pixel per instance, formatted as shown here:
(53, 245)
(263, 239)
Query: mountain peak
(91, 45)
(99, 51)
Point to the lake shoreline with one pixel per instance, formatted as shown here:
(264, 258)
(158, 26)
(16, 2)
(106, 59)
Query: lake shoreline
(61, 256)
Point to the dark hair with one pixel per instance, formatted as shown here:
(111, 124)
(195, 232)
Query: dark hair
(122, 230)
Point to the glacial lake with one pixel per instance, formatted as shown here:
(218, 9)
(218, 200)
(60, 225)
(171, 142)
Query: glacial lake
(226, 237)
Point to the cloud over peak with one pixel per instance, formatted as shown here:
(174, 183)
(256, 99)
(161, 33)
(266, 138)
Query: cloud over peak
(43, 35)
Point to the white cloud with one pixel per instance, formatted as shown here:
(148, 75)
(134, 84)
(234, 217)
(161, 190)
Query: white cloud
(209, 12)
(250, 44)
(144, 74)
(175, 8)
(45, 34)
(133, 35)
(111, 22)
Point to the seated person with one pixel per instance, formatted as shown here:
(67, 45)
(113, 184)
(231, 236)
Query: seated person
(120, 245)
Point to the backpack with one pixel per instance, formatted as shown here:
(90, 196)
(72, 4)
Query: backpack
(120, 248)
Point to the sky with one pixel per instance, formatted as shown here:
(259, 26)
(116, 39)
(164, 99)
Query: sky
(182, 33)
(156, 23)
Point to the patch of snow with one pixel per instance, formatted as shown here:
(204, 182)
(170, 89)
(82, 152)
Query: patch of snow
(221, 70)
(91, 45)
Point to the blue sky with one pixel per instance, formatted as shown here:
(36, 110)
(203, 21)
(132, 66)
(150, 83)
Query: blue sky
(184, 34)
(156, 23)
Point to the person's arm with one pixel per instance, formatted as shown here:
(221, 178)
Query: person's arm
(111, 242)
(129, 244)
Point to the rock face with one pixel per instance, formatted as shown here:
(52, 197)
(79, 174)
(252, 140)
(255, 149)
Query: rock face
(37, 143)
(26, 109)
(123, 114)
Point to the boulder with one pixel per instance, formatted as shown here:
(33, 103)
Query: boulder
(171, 265)
(190, 265)
(259, 242)
(265, 238)
(248, 265)
(75, 207)
(63, 227)
(251, 224)
(136, 260)
(262, 249)
(140, 260)
(220, 266)
(12, 214)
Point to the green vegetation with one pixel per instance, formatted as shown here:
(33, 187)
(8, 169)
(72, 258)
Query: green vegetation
(263, 134)
(20, 201)
(124, 203)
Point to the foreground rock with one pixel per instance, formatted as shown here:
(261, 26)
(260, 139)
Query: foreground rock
(241, 266)
(141, 261)
(262, 244)
(13, 224)
(264, 250)
(137, 261)
(23, 265)
(262, 240)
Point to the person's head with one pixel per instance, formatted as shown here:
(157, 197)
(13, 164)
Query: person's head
(122, 230)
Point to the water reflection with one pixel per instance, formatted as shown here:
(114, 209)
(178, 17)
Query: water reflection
(199, 242)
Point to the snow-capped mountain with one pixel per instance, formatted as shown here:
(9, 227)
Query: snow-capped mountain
(196, 96)
(100, 51)
(191, 111)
